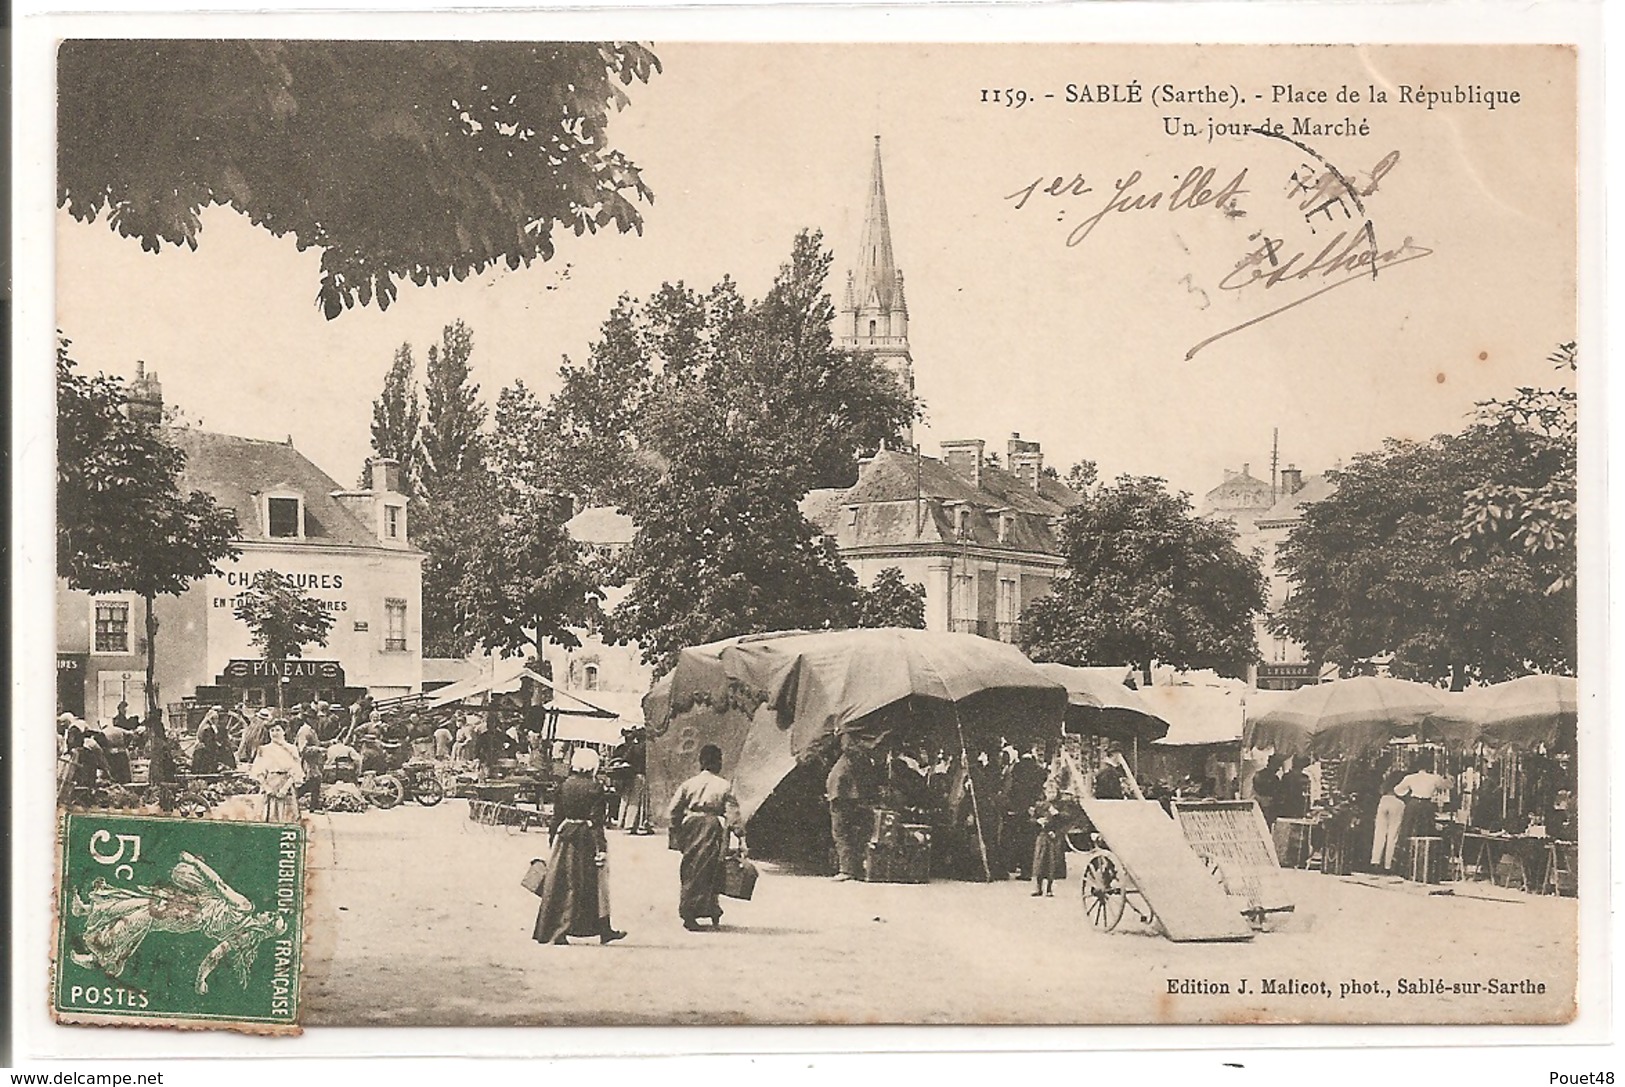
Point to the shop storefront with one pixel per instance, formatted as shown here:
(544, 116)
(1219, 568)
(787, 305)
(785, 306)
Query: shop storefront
(346, 550)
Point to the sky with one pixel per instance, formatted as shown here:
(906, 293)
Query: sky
(1082, 347)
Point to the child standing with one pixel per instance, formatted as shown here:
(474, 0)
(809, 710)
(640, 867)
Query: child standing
(1049, 850)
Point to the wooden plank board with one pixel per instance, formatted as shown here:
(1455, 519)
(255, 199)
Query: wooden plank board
(1234, 835)
(1189, 901)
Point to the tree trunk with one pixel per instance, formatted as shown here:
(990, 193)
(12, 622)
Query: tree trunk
(159, 767)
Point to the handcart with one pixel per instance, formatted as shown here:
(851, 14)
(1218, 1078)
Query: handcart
(1136, 857)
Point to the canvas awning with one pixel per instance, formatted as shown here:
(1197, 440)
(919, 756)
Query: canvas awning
(506, 678)
(1100, 704)
(1197, 715)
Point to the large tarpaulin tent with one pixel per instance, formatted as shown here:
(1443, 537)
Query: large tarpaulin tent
(772, 701)
(1199, 716)
(578, 719)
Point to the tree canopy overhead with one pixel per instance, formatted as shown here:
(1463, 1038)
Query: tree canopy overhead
(706, 417)
(1455, 555)
(399, 160)
(1147, 580)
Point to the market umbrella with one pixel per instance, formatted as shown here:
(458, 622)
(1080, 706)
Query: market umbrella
(1344, 715)
(1099, 704)
(1528, 711)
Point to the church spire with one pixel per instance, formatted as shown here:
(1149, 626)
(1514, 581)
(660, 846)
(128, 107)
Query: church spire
(877, 269)
(873, 317)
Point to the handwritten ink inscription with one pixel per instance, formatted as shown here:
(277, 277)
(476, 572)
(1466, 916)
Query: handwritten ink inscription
(1326, 202)
(1130, 194)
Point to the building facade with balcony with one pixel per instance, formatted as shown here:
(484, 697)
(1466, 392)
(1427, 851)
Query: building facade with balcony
(347, 549)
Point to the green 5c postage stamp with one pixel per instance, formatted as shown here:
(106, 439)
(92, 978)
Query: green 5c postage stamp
(179, 922)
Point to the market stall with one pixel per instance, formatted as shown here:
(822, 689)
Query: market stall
(1201, 754)
(929, 709)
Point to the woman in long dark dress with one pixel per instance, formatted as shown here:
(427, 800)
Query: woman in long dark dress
(574, 898)
(703, 810)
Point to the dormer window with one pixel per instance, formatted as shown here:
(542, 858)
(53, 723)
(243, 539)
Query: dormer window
(392, 522)
(284, 516)
(1007, 525)
(962, 522)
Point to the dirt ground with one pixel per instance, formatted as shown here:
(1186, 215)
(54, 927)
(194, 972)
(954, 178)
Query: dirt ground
(417, 918)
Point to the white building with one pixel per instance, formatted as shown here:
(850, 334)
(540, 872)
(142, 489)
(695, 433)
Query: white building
(347, 549)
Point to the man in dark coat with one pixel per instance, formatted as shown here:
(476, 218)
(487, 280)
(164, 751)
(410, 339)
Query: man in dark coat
(1024, 786)
(850, 790)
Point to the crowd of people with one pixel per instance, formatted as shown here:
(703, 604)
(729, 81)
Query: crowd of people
(1377, 802)
(1001, 812)
(95, 756)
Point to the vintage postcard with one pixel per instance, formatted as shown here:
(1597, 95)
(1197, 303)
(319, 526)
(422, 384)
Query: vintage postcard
(787, 533)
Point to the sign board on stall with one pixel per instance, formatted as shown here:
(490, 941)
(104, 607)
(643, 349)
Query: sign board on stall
(1234, 841)
(1188, 900)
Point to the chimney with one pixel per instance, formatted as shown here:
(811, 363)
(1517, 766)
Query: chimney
(964, 456)
(1024, 460)
(1246, 469)
(145, 398)
(1291, 479)
(386, 474)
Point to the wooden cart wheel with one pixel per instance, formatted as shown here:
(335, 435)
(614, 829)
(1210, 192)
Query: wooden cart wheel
(192, 806)
(428, 791)
(1103, 895)
(384, 791)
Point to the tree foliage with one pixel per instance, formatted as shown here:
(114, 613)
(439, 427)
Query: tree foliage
(281, 617)
(397, 419)
(452, 446)
(890, 601)
(706, 418)
(1455, 555)
(722, 549)
(398, 160)
(123, 522)
(767, 373)
(1532, 517)
(522, 580)
(1147, 580)
(520, 448)
(447, 530)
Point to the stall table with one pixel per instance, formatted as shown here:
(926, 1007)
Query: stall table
(1509, 860)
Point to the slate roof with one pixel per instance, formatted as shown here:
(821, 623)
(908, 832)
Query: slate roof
(1290, 507)
(234, 471)
(904, 500)
(1238, 493)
